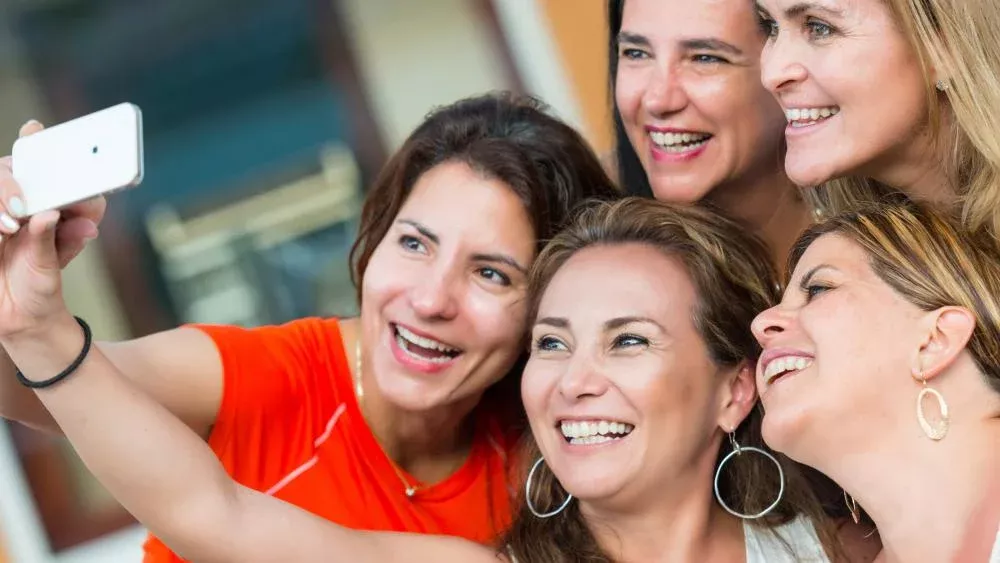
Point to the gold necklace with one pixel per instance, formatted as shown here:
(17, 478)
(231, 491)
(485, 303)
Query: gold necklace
(359, 391)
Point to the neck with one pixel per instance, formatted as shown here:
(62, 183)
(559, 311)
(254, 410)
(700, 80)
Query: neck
(770, 204)
(942, 498)
(679, 522)
(428, 444)
(919, 169)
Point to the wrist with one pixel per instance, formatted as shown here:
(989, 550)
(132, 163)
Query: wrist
(41, 353)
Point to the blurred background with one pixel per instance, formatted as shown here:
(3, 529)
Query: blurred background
(264, 121)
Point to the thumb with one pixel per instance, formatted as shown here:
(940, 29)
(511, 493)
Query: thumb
(41, 241)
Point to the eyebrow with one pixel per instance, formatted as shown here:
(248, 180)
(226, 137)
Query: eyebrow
(809, 275)
(800, 8)
(611, 324)
(422, 230)
(502, 259)
(692, 44)
(481, 257)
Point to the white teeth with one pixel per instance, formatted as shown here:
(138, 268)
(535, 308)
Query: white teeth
(678, 142)
(593, 429)
(799, 117)
(786, 363)
(408, 336)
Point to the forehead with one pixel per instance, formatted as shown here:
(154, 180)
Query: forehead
(673, 20)
(874, 11)
(604, 282)
(461, 205)
(835, 250)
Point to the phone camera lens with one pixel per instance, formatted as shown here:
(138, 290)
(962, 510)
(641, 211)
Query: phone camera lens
(93, 150)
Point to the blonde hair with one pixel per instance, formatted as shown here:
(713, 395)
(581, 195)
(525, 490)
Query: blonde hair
(928, 258)
(735, 280)
(957, 42)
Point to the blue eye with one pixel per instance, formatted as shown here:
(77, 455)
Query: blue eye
(814, 290)
(412, 243)
(631, 54)
(627, 340)
(767, 25)
(818, 29)
(549, 344)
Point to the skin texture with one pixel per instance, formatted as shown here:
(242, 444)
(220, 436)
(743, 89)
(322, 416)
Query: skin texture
(840, 53)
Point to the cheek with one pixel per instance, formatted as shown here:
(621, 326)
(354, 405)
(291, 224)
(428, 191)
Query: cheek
(499, 320)
(384, 278)
(537, 383)
(629, 89)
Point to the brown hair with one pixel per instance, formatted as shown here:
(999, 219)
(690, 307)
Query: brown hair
(735, 280)
(505, 137)
(929, 259)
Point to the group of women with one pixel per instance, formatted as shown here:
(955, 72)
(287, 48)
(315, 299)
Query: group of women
(547, 370)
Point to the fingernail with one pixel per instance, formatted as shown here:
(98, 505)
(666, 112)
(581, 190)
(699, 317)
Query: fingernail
(16, 206)
(9, 222)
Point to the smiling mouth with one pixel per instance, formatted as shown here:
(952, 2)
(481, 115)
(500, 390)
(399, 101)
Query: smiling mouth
(423, 348)
(785, 366)
(804, 117)
(588, 432)
(678, 142)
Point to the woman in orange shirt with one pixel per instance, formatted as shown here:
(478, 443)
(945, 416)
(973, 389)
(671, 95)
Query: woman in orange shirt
(405, 418)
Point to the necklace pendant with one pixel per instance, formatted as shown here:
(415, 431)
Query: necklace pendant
(410, 491)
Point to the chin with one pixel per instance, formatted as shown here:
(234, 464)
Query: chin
(680, 193)
(785, 434)
(808, 170)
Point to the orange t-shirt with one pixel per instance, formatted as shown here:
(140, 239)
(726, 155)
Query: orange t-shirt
(290, 426)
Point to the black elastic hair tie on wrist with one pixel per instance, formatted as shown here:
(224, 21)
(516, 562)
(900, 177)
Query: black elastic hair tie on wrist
(66, 372)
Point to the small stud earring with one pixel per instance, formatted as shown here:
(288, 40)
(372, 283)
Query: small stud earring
(942, 85)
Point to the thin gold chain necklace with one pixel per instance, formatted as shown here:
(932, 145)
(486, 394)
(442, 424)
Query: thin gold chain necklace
(359, 391)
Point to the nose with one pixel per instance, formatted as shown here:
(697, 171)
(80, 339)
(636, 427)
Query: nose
(664, 93)
(780, 66)
(436, 296)
(581, 379)
(770, 323)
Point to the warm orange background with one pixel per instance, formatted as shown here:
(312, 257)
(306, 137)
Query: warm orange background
(579, 30)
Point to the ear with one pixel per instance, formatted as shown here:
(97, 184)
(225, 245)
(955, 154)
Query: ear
(739, 395)
(948, 332)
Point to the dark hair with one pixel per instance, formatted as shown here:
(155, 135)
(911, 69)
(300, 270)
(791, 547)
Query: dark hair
(631, 174)
(505, 137)
(735, 280)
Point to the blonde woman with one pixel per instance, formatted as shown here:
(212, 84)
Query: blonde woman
(890, 95)
(881, 368)
(641, 405)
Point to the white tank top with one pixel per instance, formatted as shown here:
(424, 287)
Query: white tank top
(793, 542)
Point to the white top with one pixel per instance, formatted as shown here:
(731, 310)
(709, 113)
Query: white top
(793, 542)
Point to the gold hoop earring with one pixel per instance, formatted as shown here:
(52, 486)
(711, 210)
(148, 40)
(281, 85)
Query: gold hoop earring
(852, 507)
(933, 431)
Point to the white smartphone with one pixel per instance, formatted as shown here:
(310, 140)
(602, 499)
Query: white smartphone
(74, 161)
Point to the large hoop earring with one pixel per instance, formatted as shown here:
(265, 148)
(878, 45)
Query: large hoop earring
(738, 450)
(527, 494)
(933, 431)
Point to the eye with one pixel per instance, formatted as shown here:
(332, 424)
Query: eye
(767, 25)
(813, 290)
(631, 53)
(412, 243)
(818, 29)
(493, 275)
(549, 344)
(627, 340)
(708, 59)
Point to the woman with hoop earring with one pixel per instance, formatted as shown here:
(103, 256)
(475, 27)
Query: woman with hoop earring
(641, 368)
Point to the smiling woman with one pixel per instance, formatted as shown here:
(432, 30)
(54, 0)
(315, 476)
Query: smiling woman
(889, 96)
(881, 368)
(406, 418)
(693, 122)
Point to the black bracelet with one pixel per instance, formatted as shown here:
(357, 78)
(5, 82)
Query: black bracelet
(66, 372)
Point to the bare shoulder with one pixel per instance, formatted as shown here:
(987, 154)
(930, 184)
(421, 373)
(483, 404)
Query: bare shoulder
(861, 542)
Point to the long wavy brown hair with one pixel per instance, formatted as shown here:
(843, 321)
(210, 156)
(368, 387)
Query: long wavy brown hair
(735, 280)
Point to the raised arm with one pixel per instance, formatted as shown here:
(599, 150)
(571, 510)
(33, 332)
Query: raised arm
(189, 385)
(159, 469)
